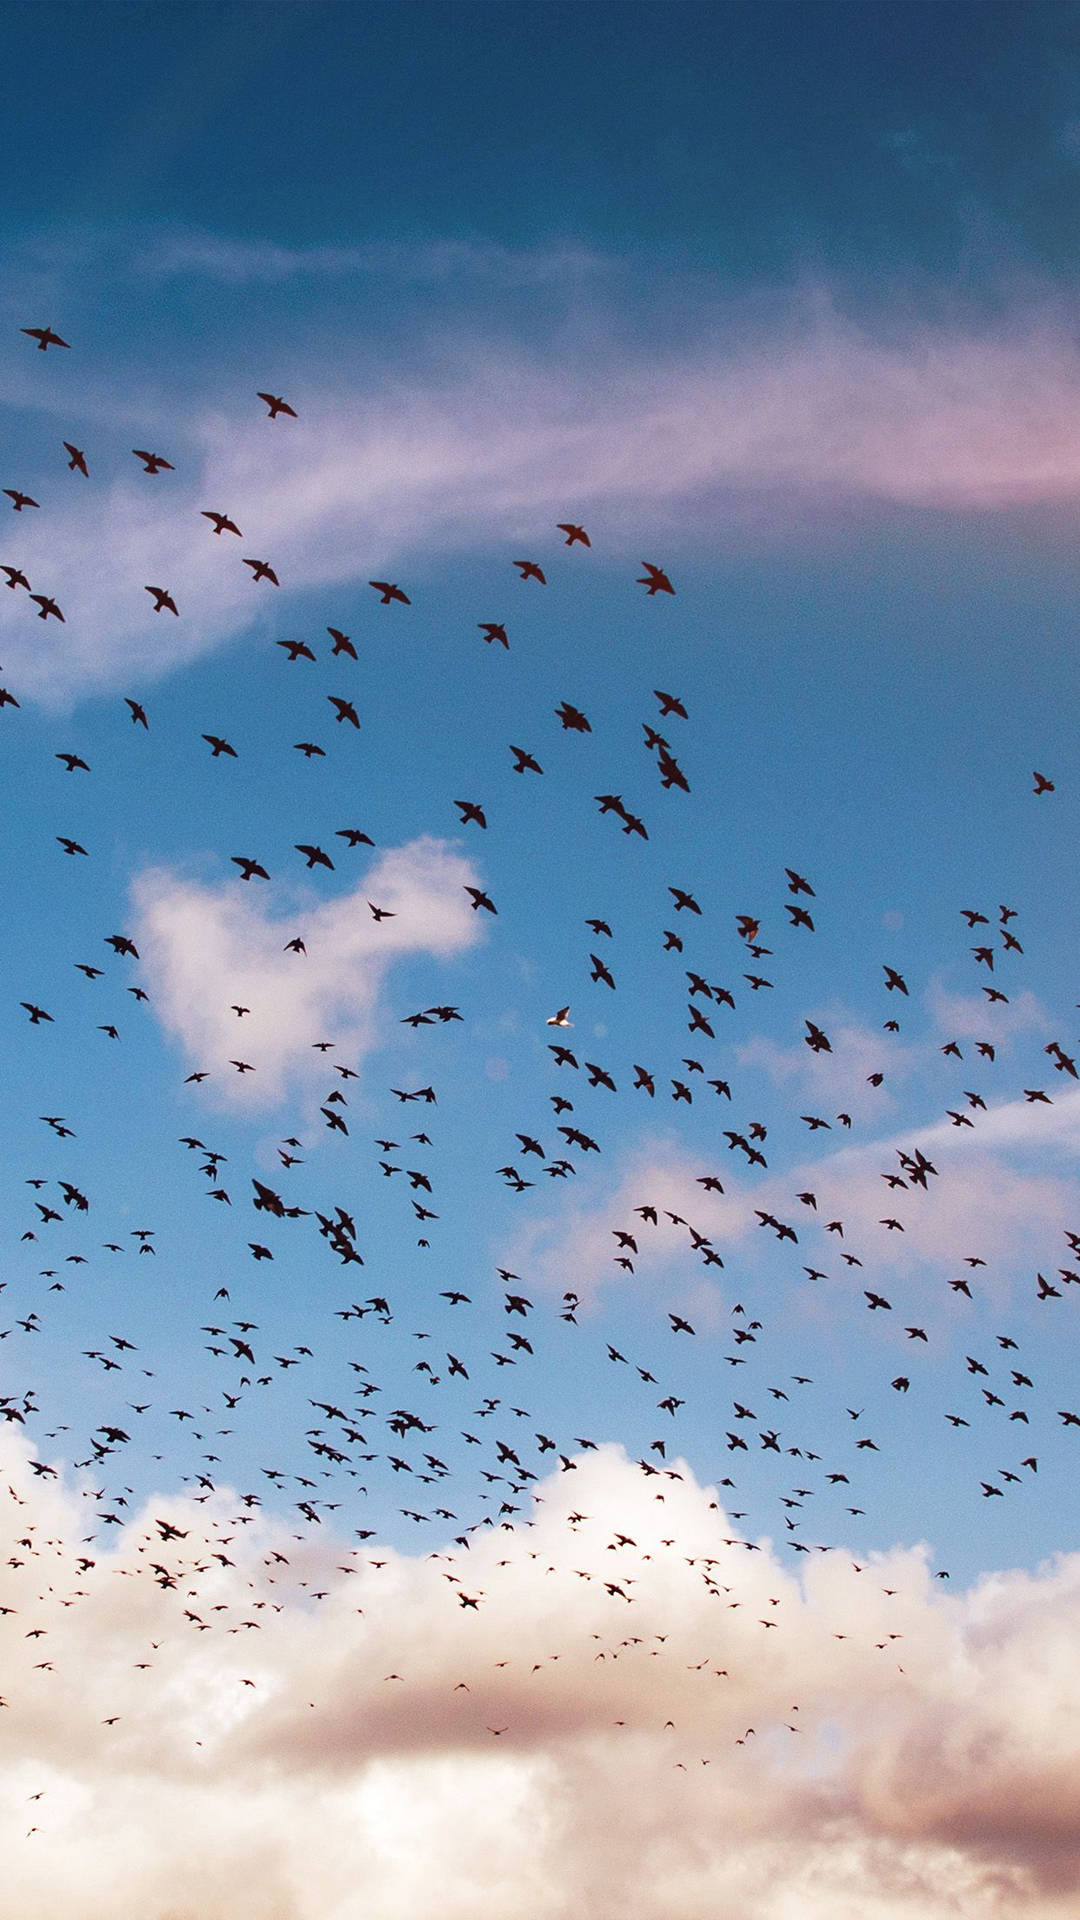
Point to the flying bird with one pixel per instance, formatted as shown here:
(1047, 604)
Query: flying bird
(45, 338)
(655, 579)
(275, 405)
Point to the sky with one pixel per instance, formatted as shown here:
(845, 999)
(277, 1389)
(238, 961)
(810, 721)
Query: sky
(609, 476)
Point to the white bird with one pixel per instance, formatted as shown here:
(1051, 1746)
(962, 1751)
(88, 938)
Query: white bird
(561, 1019)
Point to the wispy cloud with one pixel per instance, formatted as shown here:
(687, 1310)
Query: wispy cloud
(241, 262)
(464, 446)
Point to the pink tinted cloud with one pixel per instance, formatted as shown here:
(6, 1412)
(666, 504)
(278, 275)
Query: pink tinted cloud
(805, 406)
(935, 1773)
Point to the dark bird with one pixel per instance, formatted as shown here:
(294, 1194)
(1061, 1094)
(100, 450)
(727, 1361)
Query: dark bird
(45, 337)
(219, 746)
(655, 579)
(469, 810)
(524, 762)
(77, 462)
(221, 522)
(153, 462)
(163, 600)
(262, 570)
(528, 570)
(574, 535)
(19, 500)
(683, 901)
(389, 592)
(275, 405)
(315, 856)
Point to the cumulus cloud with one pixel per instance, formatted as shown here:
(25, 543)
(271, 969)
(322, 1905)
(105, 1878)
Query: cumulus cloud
(206, 949)
(580, 1740)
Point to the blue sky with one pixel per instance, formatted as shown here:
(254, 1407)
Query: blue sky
(781, 301)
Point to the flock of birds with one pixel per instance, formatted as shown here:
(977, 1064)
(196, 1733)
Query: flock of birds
(361, 1421)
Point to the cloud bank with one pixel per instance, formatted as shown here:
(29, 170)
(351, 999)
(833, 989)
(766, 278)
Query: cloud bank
(578, 1740)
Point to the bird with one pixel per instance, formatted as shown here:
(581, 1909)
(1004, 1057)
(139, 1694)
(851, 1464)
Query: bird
(45, 338)
(655, 579)
(76, 460)
(221, 522)
(153, 462)
(524, 762)
(262, 570)
(315, 857)
(275, 405)
(471, 811)
(163, 600)
(389, 592)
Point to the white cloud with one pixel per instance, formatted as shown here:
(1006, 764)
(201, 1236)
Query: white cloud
(206, 949)
(929, 1775)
